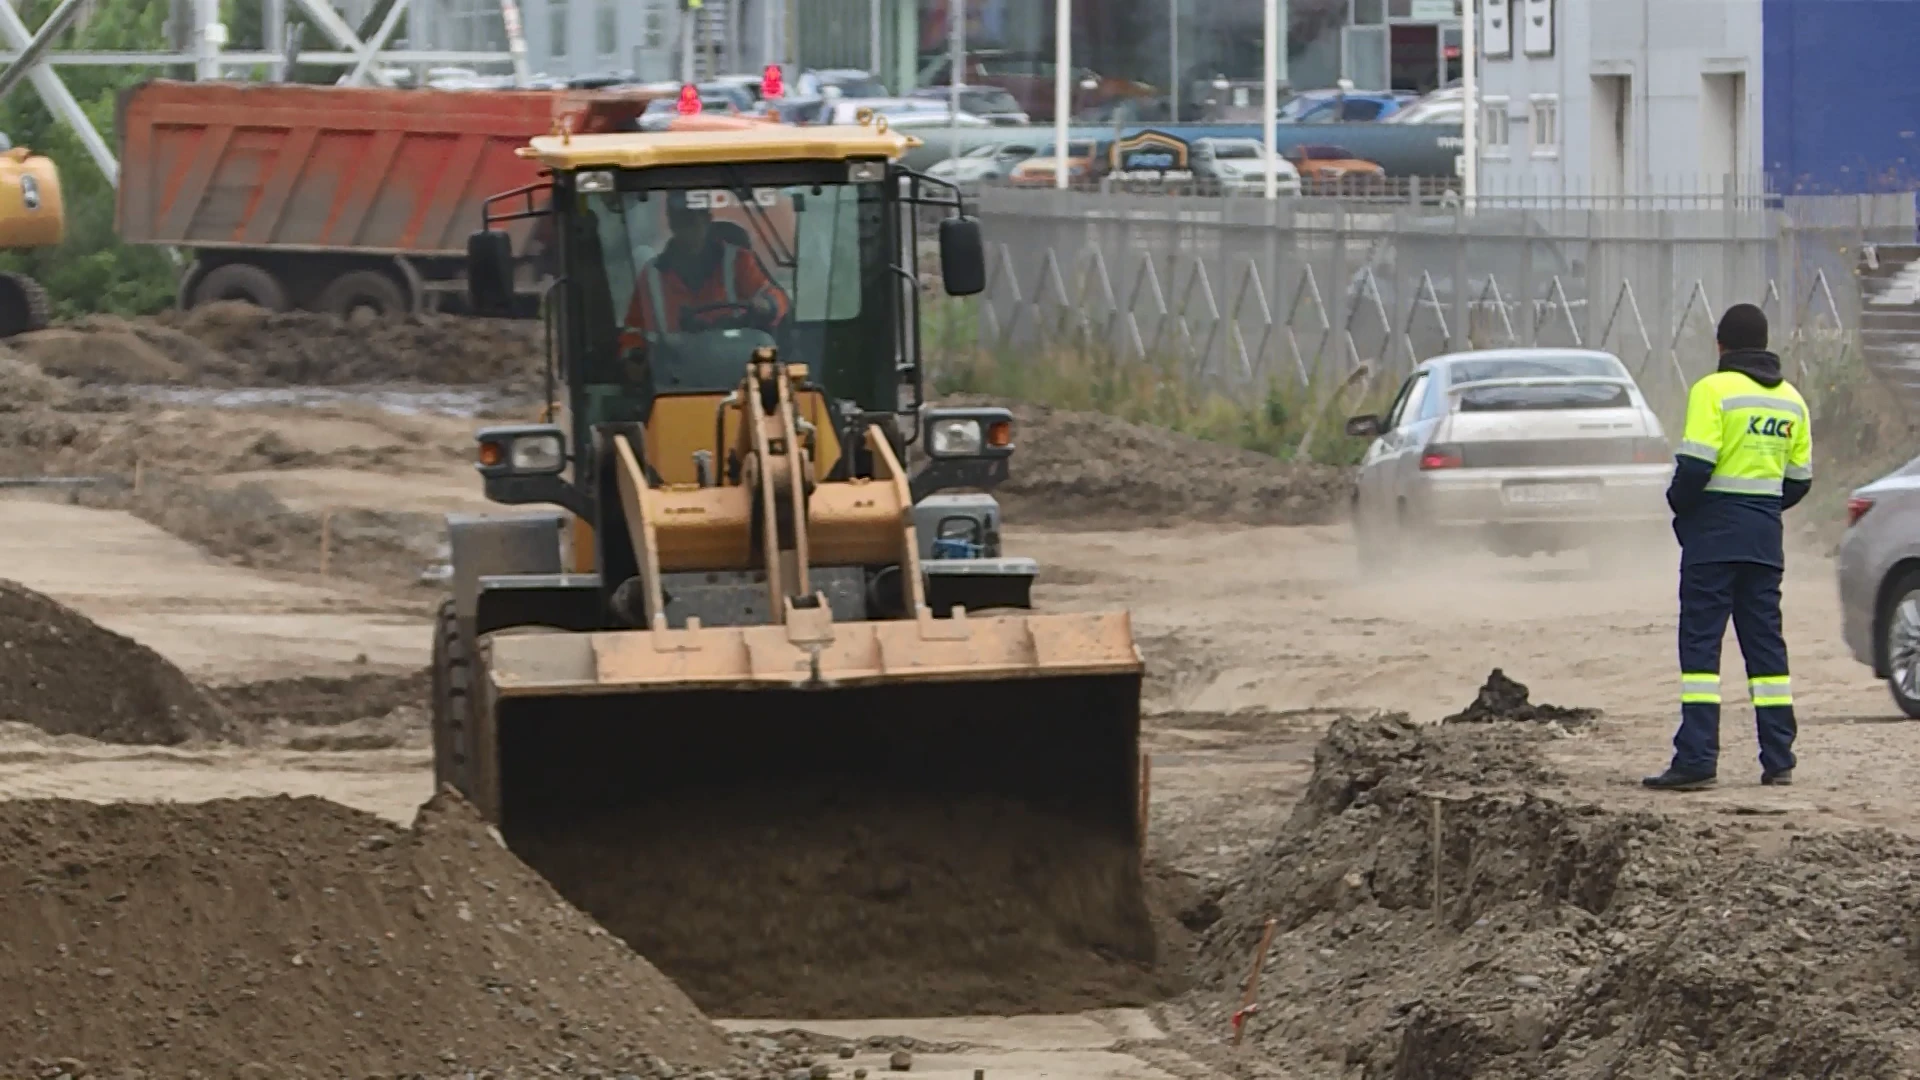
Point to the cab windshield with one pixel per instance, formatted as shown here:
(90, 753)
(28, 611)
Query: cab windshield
(693, 280)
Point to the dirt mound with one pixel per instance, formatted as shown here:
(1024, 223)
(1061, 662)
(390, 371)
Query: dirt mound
(279, 937)
(26, 387)
(1542, 938)
(1501, 700)
(1097, 471)
(66, 675)
(317, 701)
(235, 344)
(107, 349)
(250, 525)
(311, 713)
(849, 906)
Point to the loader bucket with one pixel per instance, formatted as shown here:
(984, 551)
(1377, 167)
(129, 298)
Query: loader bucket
(919, 817)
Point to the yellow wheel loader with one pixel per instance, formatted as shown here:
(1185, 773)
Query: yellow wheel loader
(32, 215)
(765, 696)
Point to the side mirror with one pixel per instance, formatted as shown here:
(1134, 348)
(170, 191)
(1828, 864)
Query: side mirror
(1364, 427)
(490, 272)
(963, 257)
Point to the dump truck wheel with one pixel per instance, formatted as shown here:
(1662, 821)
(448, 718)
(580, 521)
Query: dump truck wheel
(452, 705)
(244, 282)
(371, 292)
(24, 306)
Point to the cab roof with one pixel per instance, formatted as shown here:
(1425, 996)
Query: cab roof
(759, 142)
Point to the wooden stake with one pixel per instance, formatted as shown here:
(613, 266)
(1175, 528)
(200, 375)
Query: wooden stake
(326, 540)
(1146, 798)
(1252, 991)
(1437, 855)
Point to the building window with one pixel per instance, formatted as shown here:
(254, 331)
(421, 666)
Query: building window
(557, 28)
(656, 28)
(1496, 133)
(1498, 29)
(606, 28)
(1545, 122)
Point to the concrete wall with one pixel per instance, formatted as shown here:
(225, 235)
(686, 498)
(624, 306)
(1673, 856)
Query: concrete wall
(1681, 80)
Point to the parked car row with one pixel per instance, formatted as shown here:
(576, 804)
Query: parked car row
(1231, 165)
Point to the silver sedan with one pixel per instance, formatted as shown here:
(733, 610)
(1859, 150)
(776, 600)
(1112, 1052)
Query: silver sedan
(1879, 569)
(1519, 450)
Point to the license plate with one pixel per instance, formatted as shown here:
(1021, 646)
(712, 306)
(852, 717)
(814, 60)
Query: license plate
(1552, 493)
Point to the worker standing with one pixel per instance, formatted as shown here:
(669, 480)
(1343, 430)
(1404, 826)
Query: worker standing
(1746, 456)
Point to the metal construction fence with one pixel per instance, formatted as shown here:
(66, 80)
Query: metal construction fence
(1241, 291)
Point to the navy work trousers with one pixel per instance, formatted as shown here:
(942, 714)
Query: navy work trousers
(1750, 593)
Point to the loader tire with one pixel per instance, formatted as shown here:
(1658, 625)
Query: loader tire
(452, 706)
(24, 306)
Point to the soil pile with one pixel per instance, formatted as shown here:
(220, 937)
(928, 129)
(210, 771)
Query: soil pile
(1501, 700)
(25, 388)
(1097, 471)
(291, 937)
(234, 344)
(1542, 938)
(834, 904)
(318, 701)
(370, 711)
(65, 674)
(249, 525)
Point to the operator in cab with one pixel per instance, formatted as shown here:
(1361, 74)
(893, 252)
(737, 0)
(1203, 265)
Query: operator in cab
(700, 281)
(1746, 457)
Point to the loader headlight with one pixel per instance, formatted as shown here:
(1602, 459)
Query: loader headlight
(538, 453)
(527, 451)
(956, 438)
(953, 433)
(957, 538)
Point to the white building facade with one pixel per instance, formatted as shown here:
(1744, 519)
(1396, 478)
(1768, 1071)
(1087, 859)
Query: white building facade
(1626, 97)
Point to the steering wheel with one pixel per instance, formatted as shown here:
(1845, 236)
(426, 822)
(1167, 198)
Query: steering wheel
(741, 314)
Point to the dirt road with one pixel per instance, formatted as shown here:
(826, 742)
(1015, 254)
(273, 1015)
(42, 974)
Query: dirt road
(1270, 623)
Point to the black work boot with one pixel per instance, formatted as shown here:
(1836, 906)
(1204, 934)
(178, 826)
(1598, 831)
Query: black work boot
(1674, 780)
(1783, 778)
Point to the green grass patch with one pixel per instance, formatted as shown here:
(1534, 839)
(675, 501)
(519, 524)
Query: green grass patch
(1283, 418)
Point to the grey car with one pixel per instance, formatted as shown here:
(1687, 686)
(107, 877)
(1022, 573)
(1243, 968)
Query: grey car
(1516, 450)
(1879, 567)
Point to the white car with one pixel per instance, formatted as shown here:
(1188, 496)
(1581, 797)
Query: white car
(1239, 166)
(984, 164)
(1517, 450)
(1440, 107)
(902, 113)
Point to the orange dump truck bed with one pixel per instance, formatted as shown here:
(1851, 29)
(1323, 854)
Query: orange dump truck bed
(330, 198)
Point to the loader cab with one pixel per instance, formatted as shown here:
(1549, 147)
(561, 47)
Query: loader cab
(683, 253)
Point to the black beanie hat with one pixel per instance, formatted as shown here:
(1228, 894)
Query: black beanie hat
(1744, 326)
